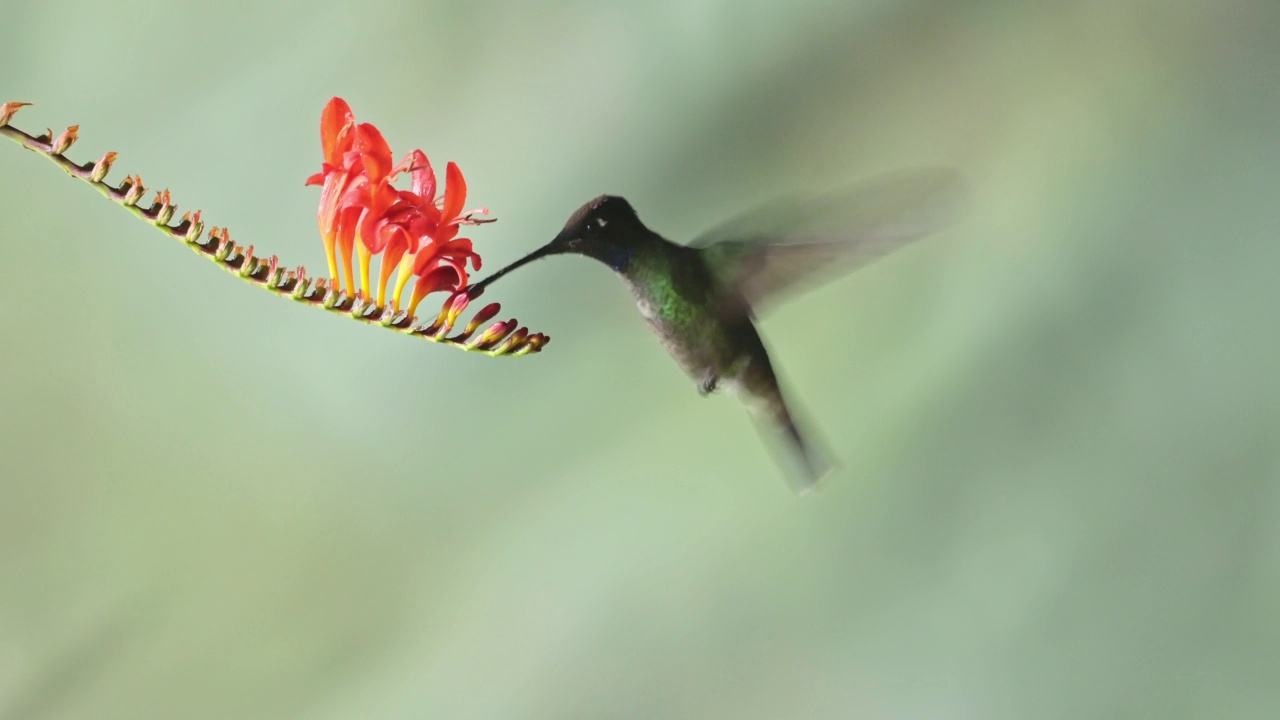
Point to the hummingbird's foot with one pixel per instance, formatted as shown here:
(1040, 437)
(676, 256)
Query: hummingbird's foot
(708, 385)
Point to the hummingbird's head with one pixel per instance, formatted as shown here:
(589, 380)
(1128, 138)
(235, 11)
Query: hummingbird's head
(606, 228)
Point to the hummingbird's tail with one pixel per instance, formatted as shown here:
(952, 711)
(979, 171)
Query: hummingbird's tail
(814, 463)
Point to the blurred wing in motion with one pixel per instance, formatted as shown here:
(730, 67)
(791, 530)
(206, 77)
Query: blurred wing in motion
(774, 249)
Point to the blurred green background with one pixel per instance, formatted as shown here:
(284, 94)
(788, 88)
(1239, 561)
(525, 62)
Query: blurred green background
(1058, 422)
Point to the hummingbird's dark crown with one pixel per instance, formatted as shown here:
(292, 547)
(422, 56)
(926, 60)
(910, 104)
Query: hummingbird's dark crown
(607, 229)
(605, 208)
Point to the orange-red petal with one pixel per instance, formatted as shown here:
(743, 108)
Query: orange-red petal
(374, 151)
(335, 118)
(457, 250)
(455, 192)
(380, 199)
(422, 174)
(335, 185)
(445, 277)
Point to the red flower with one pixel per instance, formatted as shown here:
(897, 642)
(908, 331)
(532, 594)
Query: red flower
(336, 138)
(442, 263)
(361, 211)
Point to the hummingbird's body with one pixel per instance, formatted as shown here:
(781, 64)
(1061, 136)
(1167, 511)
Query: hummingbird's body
(701, 299)
(709, 331)
(675, 292)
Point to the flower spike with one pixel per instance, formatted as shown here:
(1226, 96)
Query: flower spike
(421, 224)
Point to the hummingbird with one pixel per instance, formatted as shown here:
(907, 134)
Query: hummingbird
(702, 299)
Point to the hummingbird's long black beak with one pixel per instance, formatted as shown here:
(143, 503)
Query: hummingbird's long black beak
(557, 246)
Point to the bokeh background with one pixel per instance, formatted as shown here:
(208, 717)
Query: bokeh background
(1057, 422)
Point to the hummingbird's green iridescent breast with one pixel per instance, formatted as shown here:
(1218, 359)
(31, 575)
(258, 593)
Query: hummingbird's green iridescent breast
(676, 294)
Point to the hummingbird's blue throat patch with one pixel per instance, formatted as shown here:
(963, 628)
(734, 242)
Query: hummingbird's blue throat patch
(618, 258)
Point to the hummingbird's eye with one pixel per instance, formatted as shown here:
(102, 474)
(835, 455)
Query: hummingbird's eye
(595, 224)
